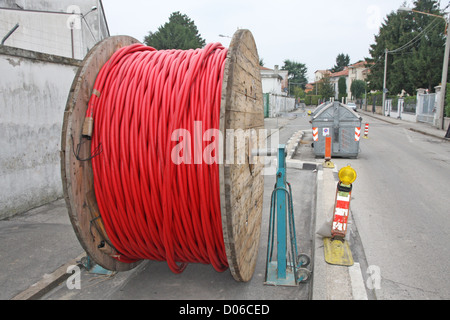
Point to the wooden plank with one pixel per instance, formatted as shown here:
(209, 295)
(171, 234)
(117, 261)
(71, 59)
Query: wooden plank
(49, 282)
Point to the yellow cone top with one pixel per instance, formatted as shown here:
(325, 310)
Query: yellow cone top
(347, 175)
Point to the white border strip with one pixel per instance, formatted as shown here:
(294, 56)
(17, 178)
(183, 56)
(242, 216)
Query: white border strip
(356, 278)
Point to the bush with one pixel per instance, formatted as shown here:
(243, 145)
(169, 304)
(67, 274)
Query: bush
(342, 96)
(312, 100)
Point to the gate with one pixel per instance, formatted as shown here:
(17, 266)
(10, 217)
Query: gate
(266, 105)
(425, 107)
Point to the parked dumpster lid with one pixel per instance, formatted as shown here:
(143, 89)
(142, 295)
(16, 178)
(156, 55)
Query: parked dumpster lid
(328, 111)
(320, 107)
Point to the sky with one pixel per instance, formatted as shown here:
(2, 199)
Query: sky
(312, 32)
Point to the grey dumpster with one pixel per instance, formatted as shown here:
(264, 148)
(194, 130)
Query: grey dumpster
(342, 124)
(319, 108)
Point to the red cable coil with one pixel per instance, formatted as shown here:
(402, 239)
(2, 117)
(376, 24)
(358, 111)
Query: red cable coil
(152, 208)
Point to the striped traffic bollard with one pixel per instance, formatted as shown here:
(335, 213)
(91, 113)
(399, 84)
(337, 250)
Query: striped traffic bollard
(366, 131)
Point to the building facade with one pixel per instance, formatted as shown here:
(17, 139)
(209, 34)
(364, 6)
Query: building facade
(43, 43)
(274, 81)
(356, 71)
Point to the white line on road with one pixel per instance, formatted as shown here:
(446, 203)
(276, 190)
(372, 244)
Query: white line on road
(408, 136)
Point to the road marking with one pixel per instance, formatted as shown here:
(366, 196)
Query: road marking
(408, 136)
(357, 281)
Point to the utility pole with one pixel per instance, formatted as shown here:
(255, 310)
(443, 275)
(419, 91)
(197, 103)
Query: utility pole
(439, 120)
(384, 81)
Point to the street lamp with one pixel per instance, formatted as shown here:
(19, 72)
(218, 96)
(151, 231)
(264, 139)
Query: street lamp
(83, 16)
(439, 120)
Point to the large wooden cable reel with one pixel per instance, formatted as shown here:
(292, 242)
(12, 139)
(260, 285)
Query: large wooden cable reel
(241, 185)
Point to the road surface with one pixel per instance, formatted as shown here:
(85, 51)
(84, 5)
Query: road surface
(401, 207)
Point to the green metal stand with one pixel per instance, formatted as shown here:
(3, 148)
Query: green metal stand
(283, 272)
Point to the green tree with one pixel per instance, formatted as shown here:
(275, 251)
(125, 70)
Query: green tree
(179, 33)
(342, 61)
(358, 88)
(297, 73)
(298, 93)
(326, 89)
(342, 87)
(415, 44)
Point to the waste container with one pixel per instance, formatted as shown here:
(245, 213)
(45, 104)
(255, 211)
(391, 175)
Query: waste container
(319, 108)
(342, 124)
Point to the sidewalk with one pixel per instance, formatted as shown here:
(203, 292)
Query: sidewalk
(420, 127)
(35, 247)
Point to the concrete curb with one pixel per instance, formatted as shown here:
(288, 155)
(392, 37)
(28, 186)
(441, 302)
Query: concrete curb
(293, 144)
(292, 147)
(429, 134)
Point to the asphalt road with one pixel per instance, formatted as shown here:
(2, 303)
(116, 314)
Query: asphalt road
(401, 207)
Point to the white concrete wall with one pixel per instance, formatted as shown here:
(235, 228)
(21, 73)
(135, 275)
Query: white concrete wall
(399, 112)
(280, 104)
(47, 26)
(33, 96)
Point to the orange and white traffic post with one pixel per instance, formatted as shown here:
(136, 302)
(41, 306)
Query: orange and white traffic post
(328, 147)
(366, 131)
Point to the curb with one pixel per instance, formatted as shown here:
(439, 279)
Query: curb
(429, 134)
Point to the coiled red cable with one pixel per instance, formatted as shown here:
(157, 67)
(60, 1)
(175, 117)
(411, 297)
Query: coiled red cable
(151, 207)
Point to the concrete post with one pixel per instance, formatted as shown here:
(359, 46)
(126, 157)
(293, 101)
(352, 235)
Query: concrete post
(419, 104)
(437, 104)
